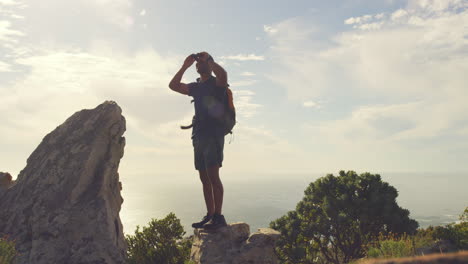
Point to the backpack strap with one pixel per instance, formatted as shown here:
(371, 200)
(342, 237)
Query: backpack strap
(186, 127)
(193, 121)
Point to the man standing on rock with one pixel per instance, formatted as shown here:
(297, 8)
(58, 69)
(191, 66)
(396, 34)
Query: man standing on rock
(207, 134)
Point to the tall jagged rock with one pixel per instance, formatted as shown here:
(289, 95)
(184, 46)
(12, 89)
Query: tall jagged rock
(64, 207)
(233, 244)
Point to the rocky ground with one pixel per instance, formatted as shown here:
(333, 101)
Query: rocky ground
(234, 244)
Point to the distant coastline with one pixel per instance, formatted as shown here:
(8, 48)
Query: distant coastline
(431, 198)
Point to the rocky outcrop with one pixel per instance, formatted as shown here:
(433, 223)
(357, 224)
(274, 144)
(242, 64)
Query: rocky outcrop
(234, 245)
(64, 207)
(6, 181)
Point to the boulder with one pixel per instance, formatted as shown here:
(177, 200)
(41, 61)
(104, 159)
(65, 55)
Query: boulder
(64, 207)
(234, 244)
(6, 181)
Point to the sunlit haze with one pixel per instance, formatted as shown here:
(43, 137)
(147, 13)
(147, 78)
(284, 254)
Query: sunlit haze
(319, 86)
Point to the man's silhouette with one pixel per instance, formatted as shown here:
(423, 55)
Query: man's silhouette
(207, 134)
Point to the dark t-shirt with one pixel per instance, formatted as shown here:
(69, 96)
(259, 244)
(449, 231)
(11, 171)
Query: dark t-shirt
(208, 106)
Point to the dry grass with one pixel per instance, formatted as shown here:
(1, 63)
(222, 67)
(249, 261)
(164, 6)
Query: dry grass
(451, 258)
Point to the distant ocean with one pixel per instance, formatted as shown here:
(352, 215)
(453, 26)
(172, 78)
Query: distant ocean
(431, 198)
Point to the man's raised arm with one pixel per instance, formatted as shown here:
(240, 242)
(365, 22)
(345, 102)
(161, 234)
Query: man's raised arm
(175, 83)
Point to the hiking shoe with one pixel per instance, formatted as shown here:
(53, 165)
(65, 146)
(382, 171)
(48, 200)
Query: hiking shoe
(205, 220)
(217, 222)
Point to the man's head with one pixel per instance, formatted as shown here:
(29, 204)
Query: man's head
(203, 67)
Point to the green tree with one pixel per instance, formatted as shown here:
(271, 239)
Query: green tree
(160, 242)
(338, 216)
(294, 247)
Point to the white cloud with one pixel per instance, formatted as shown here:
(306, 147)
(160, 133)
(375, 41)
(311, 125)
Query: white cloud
(437, 6)
(244, 57)
(143, 12)
(8, 34)
(17, 16)
(9, 8)
(243, 83)
(243, 103)
(5, 67)
(8, 2)
(311, 104)
(394, 61)
(400, 13)
(379, 16)
(376, 122)
(371, 22)
(358, 20)
(117, 12)
(369, 26)
(61, 82)
(248, 74)
(269, 29)
(114, 12)
(409, 69)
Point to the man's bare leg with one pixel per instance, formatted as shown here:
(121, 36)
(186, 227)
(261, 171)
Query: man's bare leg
(207, 192)
(218, 190)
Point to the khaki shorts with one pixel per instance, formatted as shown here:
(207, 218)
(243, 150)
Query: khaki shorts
(208, 152)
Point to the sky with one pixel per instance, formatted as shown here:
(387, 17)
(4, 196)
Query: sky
(319, 86)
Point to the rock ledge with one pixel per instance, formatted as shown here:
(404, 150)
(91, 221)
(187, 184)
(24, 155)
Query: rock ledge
(234, 245)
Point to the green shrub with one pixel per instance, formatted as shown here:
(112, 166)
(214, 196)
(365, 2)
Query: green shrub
(7, 250)
(337, 216)
(160, 242)
(456, 233)
(392, 248)
(374, 252)
(424, 237)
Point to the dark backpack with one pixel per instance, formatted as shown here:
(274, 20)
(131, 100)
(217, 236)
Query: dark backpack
(228, 118)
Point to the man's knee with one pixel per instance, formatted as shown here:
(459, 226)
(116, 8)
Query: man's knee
(218, 185)
(213, 174)
(204, 178)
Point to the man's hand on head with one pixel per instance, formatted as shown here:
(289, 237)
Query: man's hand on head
(188, 61)
(176, 83)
